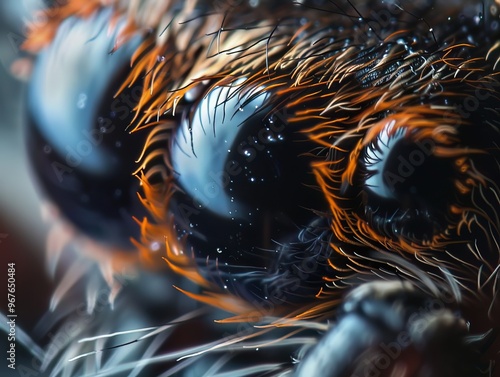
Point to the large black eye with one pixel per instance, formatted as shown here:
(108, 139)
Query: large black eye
(407, 189)
(77, 139)
(246, 185)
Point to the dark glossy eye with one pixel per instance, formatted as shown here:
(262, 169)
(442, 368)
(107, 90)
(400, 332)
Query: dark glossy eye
(408, 189)
(77, 138)
(246, 187)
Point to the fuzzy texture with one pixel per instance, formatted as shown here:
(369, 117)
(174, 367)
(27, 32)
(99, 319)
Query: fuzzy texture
(355, 80)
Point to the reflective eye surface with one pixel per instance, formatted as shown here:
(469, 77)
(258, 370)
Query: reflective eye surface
(407, 190)
(246, 182)
(77, 138)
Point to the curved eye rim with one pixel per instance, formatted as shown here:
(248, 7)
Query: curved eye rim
(77, 53)
(342, 180)
(78, 144)
(375, 159)
(201, 141)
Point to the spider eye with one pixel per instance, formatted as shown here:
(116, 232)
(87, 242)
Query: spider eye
(240, 165)
(407, 189)
(377, 162)
(82, 155)
(205, 153)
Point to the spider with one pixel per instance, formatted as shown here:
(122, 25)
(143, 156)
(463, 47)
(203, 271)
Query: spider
(325, 173)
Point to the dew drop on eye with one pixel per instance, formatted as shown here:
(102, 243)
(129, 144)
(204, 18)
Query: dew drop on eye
(244, 182)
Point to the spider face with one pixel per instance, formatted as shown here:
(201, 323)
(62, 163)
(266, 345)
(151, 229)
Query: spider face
(281, 159)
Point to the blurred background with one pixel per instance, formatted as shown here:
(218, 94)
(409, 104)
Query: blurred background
(22, 231)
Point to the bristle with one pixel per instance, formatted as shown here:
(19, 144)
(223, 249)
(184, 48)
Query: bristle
(363, 94)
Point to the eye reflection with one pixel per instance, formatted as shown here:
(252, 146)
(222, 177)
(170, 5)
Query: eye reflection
(376, 160)
(77, 138)
(408, 189)
(245, 184)
(203, 146)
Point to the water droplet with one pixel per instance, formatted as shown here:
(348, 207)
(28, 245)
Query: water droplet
(82, 101)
